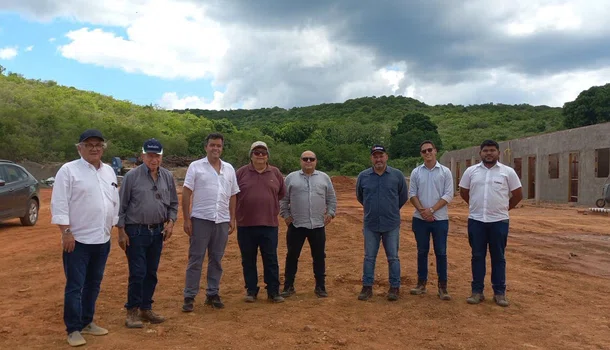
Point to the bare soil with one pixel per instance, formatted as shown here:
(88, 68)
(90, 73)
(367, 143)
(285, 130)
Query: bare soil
(558, 263)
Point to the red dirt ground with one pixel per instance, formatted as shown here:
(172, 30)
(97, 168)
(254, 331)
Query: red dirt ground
(558, 263)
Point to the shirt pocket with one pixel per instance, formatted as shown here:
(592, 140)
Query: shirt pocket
(320, 189)
(500, 182)
(165, 197)
(112, 194)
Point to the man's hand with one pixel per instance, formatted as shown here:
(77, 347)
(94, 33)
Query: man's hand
(188, 227)
(327, 219)
(232, 226)
(123, 238)
(427, 214)
(168, 230)
(67, 242)
(288, 220)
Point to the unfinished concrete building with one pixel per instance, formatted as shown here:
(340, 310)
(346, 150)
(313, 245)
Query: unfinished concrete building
(565, 166)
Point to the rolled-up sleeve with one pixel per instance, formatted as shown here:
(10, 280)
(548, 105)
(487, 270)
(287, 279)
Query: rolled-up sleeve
(448, 187)
(413, 180)
(60, 197)
(189, 178)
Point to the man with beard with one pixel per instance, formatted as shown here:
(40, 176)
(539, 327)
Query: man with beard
(382, 191)
(491, 189)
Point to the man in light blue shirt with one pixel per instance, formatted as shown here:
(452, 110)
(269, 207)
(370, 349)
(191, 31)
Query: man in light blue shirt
(430, 189)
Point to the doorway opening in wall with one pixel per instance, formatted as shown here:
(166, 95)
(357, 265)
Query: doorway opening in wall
(573, 187)
(531, 177)
(517, 167)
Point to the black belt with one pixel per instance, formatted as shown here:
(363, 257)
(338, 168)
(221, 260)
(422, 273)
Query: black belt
(148, 226)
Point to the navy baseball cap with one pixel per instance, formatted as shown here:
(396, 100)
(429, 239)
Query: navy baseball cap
(378, 148)
(91, 133)
(152, 146)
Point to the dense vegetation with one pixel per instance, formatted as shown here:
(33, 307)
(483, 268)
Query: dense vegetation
(41, 121)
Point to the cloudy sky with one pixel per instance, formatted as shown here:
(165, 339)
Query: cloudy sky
(246, 54)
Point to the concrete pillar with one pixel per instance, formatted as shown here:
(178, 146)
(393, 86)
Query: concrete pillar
(453, 169)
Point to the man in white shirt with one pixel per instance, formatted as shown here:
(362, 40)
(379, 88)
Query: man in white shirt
(210, 185)
(85, 206)
(491, 189)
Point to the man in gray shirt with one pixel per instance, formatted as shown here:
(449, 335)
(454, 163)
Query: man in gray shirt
(309, 205)
(148, 211)
(430, 189)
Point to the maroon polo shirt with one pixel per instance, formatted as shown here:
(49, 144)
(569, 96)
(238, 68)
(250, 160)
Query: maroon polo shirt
(259, 196)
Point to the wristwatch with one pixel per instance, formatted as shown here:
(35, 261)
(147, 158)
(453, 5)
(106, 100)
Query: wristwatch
(432, 210)
(66, 231)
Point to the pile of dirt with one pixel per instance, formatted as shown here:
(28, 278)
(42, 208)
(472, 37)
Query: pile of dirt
(41, 171)
(343, 183)
(170, 161)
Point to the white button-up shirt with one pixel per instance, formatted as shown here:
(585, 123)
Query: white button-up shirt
(87, 200)
(430, 185)
(212, 191)
(490, 190)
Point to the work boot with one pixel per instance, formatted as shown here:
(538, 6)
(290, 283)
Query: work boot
(150, 316)
(420, 289)
(250, 297)
(288, 291)
(76, 339)
(94, 329)
(133, 320)
(366, 293)
(442, 291)
(189, 304)
(393, 293)
(320, 292)
(500, 299)
(475, 298)
(214, 301)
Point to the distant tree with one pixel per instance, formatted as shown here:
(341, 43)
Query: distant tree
(410, 132)
(2, 69)
(592, 106)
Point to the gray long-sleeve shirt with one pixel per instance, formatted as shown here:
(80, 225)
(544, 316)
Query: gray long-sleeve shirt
(141, 204)
(308, 198)
(430, 185)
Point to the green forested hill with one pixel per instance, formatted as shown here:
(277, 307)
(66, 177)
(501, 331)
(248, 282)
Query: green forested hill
(41, 121)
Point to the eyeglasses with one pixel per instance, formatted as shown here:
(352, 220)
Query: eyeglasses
(260, 153)
(91, 146)
(157, 194)
(308, 159)
(427, 150)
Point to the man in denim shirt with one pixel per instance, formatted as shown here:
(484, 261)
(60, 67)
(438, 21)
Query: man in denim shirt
(382, 191)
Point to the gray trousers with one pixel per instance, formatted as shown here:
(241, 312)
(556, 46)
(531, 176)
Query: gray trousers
(212, 237)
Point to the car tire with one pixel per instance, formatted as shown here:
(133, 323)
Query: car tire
(31, 216)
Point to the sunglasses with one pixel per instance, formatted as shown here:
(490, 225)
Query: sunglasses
(157, 194)
(308, 159)
(260, 153)
(427, 150)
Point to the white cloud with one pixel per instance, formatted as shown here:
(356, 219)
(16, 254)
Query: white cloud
(170, 100)
(8, 53)
(29, 48)
(51, 40)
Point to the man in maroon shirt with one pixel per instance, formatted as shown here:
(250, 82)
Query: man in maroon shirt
(261, 188)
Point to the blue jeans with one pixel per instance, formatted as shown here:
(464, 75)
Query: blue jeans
(84, 270)
(438, 230)
(480, 236)
(143, 255)
(250, 239)
(391, 243)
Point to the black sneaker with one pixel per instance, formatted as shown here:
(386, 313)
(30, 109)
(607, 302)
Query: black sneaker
(188, 304)
(214, 301)
(288, 291)
(320, 292)
(366, 293)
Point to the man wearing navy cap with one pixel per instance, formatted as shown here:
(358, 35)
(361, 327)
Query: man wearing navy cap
(382, 191)
(149, 208)
(85, 206)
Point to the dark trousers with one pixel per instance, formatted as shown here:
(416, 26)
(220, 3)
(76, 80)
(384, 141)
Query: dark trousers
(84, 270)
(143, 255)
(250, 239)
(295, 238)
(438, 230)
(480, 236)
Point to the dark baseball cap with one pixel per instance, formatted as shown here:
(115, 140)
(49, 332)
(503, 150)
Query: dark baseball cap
(378, 148)
(91, 133)
(152, 146)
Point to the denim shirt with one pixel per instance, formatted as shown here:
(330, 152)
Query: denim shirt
(382, 196)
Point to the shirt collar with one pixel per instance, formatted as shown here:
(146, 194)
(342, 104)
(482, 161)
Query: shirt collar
(315, 172)
(251, 168)
(437, 165)
(372, 170)
(498, 164)
(89, 165)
